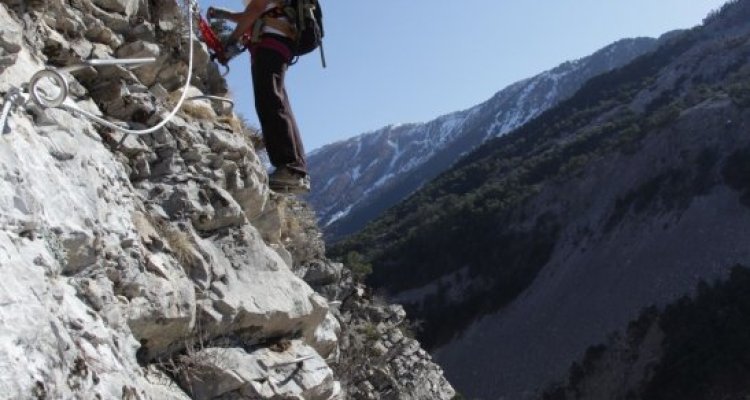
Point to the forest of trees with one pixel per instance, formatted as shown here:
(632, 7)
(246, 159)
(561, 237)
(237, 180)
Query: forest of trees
(475, 215)
(705, 350)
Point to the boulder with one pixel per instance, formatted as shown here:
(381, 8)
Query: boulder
(254, 293)
(79, 251)
(161, 303)
(127, 7)
(219, 210)
(10, 39)
(297, 372)
(147, 73)
(98, 32)
(252, 194)
(322, 272)
(270, 222)
(229, 143)
(326, 337)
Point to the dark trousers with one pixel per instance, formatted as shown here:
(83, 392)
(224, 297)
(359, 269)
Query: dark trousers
(280, 131)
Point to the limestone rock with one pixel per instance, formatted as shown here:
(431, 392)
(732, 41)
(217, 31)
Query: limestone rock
(146, 73)
(161, 308)
(168, 15)
(10, 40)
(143, 31)
(321, 273)
(127, 7)
(229, 143)
(253, 196)
(377, 360)
(115, 21)
(219, 210)
(295, 373)
(256, 292)
(325, 339)
(270, 223)
(199, 108)
(98, 32)
(124, 254)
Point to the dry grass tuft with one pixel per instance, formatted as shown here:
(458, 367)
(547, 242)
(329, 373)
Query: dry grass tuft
(234, 122)
(181, 245)
(177, 241)
(241, 126)
(195, 364)
(198, 110)
(195, 109)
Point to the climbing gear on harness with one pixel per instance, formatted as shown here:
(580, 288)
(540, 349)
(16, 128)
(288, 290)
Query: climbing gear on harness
(220, 50)
(300, 20)
(43, 99)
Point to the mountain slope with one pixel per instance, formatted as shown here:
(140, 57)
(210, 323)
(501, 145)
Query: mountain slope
(358, 179)
(534, 246)
(687, 351)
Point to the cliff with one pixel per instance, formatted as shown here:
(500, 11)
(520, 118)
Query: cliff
(160, 265)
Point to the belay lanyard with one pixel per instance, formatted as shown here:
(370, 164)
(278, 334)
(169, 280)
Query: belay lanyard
(216, 48)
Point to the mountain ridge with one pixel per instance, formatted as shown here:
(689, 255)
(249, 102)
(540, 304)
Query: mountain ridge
(379, 168)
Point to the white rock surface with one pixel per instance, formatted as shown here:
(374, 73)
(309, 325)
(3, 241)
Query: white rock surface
(127, 7)
(99, 280)
(65, 207)
(123, 254)
(295, 373)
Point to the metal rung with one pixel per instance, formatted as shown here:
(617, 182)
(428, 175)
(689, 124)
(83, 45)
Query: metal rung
(129, 62)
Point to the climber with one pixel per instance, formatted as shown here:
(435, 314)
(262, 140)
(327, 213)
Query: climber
(272, 48)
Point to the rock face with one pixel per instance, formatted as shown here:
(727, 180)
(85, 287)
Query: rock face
(133, 262)
(381, 359)
(358, 179)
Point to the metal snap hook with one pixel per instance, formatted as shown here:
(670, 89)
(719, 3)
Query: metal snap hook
(43, 99)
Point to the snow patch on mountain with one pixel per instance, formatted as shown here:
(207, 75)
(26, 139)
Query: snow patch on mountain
(339, 215)
(377, 162)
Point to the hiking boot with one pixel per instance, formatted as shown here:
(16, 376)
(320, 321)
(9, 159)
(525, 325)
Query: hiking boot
(284, 180)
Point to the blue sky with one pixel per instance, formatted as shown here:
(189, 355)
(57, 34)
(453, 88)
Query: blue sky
(396, 61)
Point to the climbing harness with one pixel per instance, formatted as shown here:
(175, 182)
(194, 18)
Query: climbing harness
(299, 20)
(34, 91)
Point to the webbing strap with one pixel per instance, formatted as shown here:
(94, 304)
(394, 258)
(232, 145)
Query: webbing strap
(273, 18)
(282, 26)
